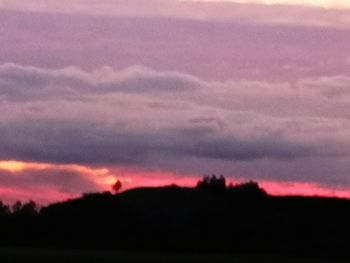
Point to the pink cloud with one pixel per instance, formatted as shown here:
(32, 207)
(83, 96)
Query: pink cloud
(252, 11)
(207, 49)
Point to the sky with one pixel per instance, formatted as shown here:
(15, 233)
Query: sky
(159, 92)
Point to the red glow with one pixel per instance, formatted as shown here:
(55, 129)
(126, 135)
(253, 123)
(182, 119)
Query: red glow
(40, 195)
(302, 189)
(134, 178)
(104, 178)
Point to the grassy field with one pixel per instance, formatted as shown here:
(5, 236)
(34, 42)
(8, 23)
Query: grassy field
(14, 255)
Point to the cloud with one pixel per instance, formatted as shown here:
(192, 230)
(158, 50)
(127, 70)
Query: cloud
(324, 3)
(128, 117)
(248, 90)
(48, 182)
(209, 49)
(67, 180)
(19, 83)
(335, 87)
(169, 121)
(254, 11)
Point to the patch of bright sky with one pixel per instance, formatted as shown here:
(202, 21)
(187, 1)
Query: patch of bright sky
(332, 4)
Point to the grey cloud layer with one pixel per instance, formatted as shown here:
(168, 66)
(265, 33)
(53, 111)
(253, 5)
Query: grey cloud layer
(136, 115)
(20, 83)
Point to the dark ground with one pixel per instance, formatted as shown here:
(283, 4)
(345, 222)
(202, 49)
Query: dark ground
(174, 224)
(37, 255)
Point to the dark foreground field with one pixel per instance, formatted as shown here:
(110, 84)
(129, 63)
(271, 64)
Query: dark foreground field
(26, 255)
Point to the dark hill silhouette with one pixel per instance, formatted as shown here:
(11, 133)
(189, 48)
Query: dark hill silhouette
(239, 219)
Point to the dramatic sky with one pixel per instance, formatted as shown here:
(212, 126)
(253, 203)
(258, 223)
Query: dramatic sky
(154, 92)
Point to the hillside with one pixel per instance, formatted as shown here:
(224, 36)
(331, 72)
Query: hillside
(241, 219)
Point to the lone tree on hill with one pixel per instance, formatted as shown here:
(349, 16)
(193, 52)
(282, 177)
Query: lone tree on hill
(117, 186)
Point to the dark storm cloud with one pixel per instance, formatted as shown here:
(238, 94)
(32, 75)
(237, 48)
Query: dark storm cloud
(65, 142)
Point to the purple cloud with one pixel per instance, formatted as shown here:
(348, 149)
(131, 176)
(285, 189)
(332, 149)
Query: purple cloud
(137, 117)
(218, 50)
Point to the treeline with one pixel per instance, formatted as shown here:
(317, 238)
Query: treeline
(212, 217)
(19, 208)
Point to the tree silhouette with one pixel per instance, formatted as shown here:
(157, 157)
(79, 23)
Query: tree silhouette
(29, 208)
(17, 206)
(212, 183)
(4, 209)
(117, 186)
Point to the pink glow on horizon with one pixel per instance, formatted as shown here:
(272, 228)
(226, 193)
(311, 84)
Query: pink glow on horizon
(302, 189)
(43, 196)
(132, 178)
(152, 179)
(104, 178)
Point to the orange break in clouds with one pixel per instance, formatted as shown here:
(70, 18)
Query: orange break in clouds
(99, 176)
(101, 179)
(12, 166)
(104, 178)
(36, 189)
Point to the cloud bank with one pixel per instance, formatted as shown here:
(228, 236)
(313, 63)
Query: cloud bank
(143, 118)
(74, 116)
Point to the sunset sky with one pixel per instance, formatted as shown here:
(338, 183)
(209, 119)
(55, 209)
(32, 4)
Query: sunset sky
(155, 92)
